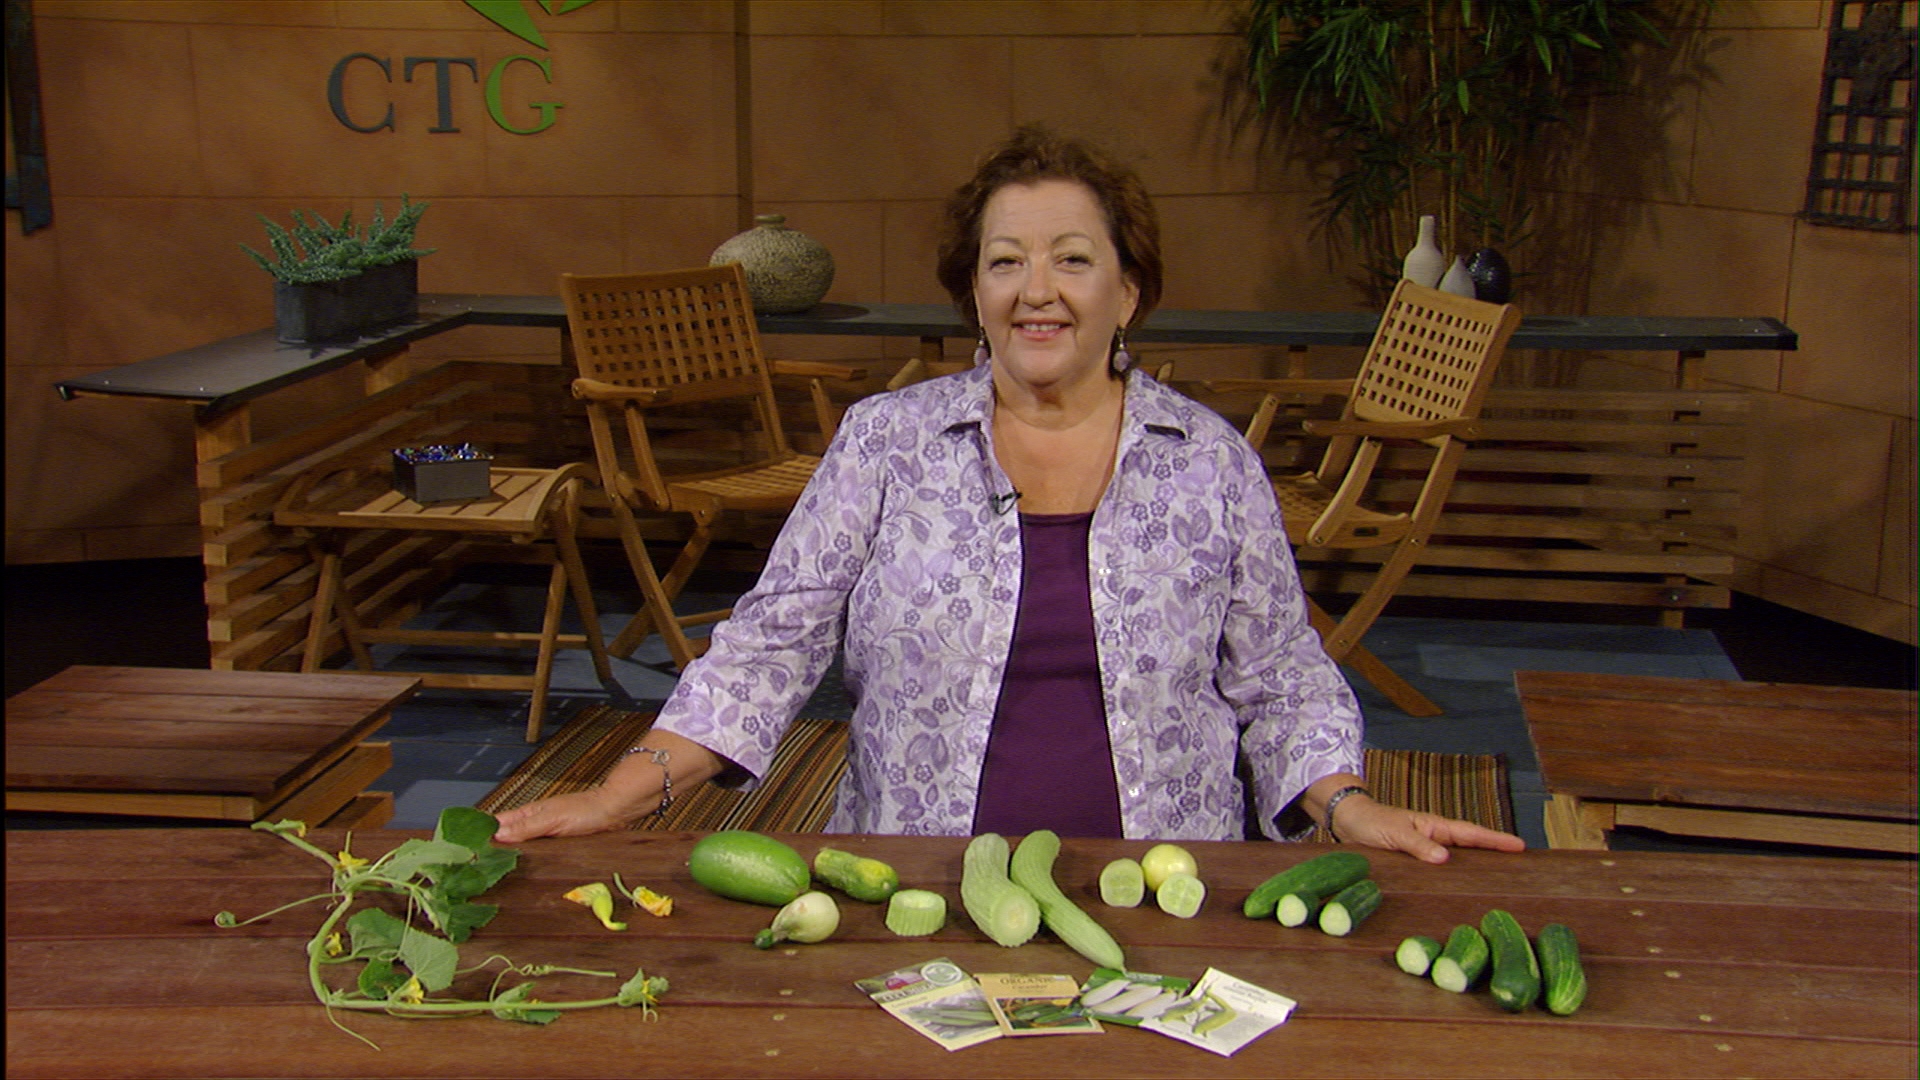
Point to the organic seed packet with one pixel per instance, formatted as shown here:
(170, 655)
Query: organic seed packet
(1222, 1014)
(1037, 1004)
(936, 999)
(1128, 997)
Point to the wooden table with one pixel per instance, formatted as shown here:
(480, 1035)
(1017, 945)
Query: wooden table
(179, 742)
(1699, 965)
(1824, 765)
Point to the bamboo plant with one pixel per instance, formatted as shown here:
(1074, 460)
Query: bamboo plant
(1442, 107)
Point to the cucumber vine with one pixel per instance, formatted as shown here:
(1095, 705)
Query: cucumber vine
(407, 967)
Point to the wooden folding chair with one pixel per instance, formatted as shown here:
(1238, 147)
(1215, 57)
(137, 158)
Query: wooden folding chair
(1424, 378)
(641, 342)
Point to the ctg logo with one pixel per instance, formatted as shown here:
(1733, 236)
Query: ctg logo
(513, 16)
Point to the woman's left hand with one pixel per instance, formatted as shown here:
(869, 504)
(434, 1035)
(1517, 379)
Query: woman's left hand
(1427, 837)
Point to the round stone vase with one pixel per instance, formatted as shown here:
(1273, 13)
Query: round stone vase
(787, 271)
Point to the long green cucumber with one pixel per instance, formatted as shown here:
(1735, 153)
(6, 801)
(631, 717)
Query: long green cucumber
(1516, 973)
(1006, 912)
(1322, 876)
(1032, 870)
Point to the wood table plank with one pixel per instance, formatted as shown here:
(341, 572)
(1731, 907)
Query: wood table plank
(1708, 965)
(195, 1040)
(1819, 752)
(188, 742)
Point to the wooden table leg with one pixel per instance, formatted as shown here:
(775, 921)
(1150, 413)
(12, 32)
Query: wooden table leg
(1574, 824)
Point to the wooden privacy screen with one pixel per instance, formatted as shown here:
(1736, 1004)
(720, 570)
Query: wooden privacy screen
(1579, 496)
(1576, 496)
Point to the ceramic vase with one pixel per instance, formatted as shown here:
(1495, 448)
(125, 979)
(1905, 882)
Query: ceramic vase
(1457, 281)
(1492, 277)
(786, 270)
(1425, 262)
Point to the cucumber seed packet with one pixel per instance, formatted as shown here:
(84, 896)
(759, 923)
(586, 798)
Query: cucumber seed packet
(1037, 1004)
(937, 999)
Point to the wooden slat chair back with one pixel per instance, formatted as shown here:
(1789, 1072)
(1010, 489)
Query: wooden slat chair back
(1424, 379)
(642, 342)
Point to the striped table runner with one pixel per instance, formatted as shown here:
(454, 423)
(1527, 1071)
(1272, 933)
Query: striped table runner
(797, 793)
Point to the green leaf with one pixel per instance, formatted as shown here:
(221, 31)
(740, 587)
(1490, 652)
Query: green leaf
(432, 959)
(511, 16)
(379, 979)
(457, 919)
(471, 829)
(565, 6)
(459, 882)
(409, 858)
(374, 932)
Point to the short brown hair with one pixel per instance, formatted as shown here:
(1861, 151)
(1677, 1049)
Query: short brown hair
(1032, 155)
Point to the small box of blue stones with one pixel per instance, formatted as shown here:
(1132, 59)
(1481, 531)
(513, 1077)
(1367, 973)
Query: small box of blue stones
(436, 474)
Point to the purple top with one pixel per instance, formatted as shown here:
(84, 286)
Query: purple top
(1049, 765)
(900, 556)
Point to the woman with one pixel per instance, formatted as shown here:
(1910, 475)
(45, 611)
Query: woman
(1097, 662)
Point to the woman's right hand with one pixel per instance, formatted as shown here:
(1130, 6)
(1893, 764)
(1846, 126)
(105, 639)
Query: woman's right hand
(578, 813)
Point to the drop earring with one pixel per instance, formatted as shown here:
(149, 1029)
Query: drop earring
(1122, 360)
(981, 354)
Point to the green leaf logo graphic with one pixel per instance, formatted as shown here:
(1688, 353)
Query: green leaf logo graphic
(513, 16)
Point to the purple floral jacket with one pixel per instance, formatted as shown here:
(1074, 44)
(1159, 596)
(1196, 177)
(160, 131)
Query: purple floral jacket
(898, 554)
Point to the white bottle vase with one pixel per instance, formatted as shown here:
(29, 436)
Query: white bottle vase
(1457, 280)
(1425, 262)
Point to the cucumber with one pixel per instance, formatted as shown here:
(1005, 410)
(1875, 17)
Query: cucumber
(1298, 908)
(1564, 980)
(856, 875)
(1516, 973)
(1416, 955)
(1323, 876)
(916, 912)
(1350, 907)
(1032, 870)
(743, 865)
(1181, 895)
(1123, 883)
(1459, 965)
(1005, 911)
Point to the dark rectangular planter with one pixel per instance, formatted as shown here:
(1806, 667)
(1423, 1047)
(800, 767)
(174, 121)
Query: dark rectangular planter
(335, 311)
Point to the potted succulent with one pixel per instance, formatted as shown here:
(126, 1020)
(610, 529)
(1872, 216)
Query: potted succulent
(334, 284)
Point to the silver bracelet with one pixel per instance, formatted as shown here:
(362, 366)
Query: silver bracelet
(660, 758)
(1335, 800)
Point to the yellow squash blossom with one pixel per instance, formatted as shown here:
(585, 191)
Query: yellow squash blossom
(350, 862)
(598, 897)
(652, 902)
(411, 993)
(334, 947)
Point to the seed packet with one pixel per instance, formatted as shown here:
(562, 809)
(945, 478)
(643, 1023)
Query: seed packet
(937, 999)
(1037, 1004)
(1128, 997)
(1222, 1014)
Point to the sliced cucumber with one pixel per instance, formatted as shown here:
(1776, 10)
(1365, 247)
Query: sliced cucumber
(1416, 955)
(1350, 907)
(916, 912)
(1181, 895)
(1460, 963)
(1123, 883)
(1298, 908)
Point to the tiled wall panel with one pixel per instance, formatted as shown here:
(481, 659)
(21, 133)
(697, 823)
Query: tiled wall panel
(171, 123)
